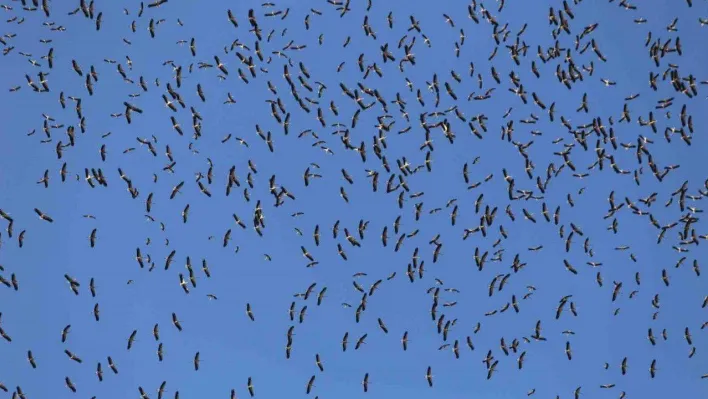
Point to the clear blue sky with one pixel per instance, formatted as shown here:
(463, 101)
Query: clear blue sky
(231, 346)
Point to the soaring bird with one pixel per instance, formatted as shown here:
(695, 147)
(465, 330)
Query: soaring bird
(131, 339)
(250, 387)
(249, 312)
(30, 359)
(112, 365)
(176, 322)
(310, 385)
(43, 216)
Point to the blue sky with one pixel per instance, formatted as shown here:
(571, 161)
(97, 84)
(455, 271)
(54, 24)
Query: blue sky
(231, 346)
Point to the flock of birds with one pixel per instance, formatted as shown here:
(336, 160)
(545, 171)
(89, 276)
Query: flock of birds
(374, 134)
